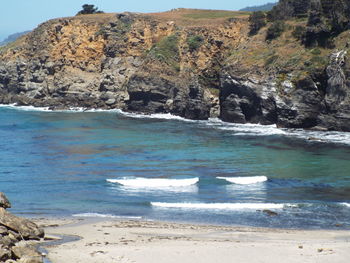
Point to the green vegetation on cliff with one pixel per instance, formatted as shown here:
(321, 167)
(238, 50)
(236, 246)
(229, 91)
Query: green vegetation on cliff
(324, 19)
(300, 35)
(167, 51)
(194, 42)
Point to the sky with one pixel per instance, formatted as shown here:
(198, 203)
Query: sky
(21, 15)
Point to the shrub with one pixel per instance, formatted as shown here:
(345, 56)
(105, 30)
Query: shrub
(257, 21)
(316, 51)
(299, 32)
(270, 60)
(275, 30)
(167, 51)
(194, 42)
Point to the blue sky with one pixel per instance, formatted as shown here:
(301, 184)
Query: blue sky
(21, 15)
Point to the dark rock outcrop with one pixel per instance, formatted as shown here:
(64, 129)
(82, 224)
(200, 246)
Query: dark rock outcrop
(291, 103)
(159, 95)
(299, 104)
(246, 101)
(337, 97)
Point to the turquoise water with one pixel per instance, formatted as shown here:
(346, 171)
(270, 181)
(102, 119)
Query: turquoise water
(57, 163)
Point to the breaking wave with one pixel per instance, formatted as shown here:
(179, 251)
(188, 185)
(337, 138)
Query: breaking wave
(219, 206)
(268, 130)
(247, 129)
(24, 108)
(164, 116)
(245, 180)
(154, 182)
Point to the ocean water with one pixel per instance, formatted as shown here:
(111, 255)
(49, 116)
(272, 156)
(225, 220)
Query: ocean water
(161, 167)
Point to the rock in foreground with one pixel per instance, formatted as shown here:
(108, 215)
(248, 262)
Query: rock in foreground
(16, 235)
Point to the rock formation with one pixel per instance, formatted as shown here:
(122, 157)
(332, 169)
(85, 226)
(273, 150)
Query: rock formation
(15, 237)
(179, 62)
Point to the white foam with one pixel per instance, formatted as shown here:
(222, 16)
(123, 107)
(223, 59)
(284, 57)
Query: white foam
(267, 130)
(245, 180)
(219, 206)
(47, 109)
(165, 116)
(105, 216)
(246, 129)
(154, 182)
(24, 108)
(321, 136)
(345, 204)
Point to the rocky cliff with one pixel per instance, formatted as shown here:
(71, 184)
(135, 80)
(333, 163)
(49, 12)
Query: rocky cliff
(192, 63)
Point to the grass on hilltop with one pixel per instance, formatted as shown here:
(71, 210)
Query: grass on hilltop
(198, 17)
(213, 14)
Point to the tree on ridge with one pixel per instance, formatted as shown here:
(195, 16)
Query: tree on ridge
(89, 9)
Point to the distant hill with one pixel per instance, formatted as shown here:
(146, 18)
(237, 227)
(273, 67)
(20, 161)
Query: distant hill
(266, 7)
(12, 38)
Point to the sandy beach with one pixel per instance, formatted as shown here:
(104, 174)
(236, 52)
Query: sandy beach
(125, 241)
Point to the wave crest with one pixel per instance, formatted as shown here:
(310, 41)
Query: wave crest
(219, 206)
(245, 180)
(154, 182)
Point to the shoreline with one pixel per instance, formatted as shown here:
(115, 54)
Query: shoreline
(119, 240)
(246, 129)
(85, 219)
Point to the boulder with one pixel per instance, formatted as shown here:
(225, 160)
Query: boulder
(6, 241)
(14, 236)
(4, 202)
(30, 259)
(22, 250)
(26, 228)
(3, 231)
(13, 233)
(5, 254)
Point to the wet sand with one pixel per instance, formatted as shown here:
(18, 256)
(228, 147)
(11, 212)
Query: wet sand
(136, 241)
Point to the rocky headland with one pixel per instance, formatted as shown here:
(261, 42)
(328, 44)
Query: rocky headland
(17, 237)
(195, 64)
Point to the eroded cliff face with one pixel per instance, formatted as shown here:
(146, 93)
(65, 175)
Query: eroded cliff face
(319, 102)
(153, 64)
(114, 61)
